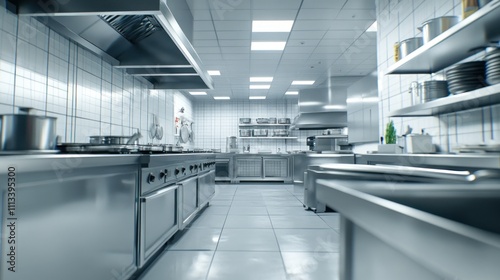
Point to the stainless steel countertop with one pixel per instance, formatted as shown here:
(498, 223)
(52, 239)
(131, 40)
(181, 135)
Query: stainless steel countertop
(474, 161)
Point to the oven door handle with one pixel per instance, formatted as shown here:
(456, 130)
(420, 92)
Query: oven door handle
(159, 193)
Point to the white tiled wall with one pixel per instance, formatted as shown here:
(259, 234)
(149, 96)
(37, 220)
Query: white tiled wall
(215, 121)
(398, 20)
(43, 70)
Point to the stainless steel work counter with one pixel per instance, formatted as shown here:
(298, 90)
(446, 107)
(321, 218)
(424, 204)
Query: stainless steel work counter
(455, 161)
(236, 167)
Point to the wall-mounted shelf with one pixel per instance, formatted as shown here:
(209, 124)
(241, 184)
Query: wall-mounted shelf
(269, 137)
(453, 103)
(455, 44)
(262, 125)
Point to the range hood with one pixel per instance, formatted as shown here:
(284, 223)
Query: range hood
(147, 37)
(321, 108)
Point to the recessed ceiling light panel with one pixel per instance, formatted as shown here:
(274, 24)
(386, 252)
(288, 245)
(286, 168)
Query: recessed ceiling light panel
(261, 79)
(213, 72)
(197, 93)
(222, 97)
(260, 86)
(373, 27)
(292, 93)
(257, 97)
(268, 46)
(272, 25)
(301, 83)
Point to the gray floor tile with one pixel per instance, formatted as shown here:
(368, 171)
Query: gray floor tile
(216, 210)
(223, 197)
(221, 202)
(247, 266)
(249, 210)
(311, 266)
(307, 240)
(248, 198)
(294, 203)
(197, 239)
(180, 265)
(247, 203)
(289, 211)
(332, 221)
(305, 222)
(248, 240)
(241, 221)
(208, 221)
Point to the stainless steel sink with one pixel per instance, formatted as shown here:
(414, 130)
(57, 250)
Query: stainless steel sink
(405, 226)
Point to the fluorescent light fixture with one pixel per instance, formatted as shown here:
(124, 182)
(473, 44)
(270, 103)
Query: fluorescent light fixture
(301, 83)
(260, 86)
(268, 46)
(334, 107)
(373, 27)
(292, 93)
(257, 97)
(222, 97)
(197, 93)
(213, 72)
(272, 25)
(261, 79)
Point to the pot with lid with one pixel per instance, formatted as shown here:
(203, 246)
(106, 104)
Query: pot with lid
(27, 132)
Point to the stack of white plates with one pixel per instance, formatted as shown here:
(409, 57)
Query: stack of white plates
(466, 77)
(432, 90)
(493, 67)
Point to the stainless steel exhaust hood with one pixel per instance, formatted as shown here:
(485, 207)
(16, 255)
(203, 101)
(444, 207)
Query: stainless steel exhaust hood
(147, 37)
(321, 108)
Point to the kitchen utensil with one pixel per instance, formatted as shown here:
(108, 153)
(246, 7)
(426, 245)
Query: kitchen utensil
(184, 134)
(409, 45)
(466, 77)
(284, 120)
(432, 90)
(419, 144)
(493, 67)
(280, 133)
(272, 120)
(260, 132)
(156, 130)
(262, 120)
(245, 120)
(27, 132)
(116, 140)
(414, 91)
(245, 132)
(434, 27)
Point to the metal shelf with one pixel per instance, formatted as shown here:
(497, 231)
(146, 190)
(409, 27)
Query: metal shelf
(455, 44)
(268, 137)
(453, 103)
(246, 125)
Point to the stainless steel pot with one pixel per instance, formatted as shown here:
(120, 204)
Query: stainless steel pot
(284, 120)
(245, 132)
(434, 27)
(25, 132)
(409, 45)
(116, 140)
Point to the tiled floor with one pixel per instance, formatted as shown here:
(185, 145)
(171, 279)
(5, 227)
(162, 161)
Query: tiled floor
(253, 231)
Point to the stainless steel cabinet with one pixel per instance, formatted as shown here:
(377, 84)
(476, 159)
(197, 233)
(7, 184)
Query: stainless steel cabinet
(188, 201)
(248, 167)
(159, 221)
(223, 169)
(255, 167)
(206, 187)
(276, 167)
(362, 110)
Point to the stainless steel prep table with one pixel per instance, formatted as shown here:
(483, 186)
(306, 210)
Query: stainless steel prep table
(76, 216)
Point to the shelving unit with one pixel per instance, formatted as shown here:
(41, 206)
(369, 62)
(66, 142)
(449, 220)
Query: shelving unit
(453, 103)
(262, 125)
(269, 137)
(455, 44)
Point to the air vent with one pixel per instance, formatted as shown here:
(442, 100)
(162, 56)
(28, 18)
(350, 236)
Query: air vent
(132, 27)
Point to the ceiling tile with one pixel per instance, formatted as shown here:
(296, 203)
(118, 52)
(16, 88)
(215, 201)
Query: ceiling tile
(230, 25)
(298, 35)
(203, 25)
(303, 50)
(303, 43)
(197, 4)
(205, 43)
(335, 42)
(274, 14)
(357, 14)
(317, 14)
(343, 34)
(275, 4)
(330, 49)
(295, 56)
(306, 24)
(236, 49)
(323, 4)
(203, 50)
(201, 14)
(210, 56)
(234, 43)
(322, 56)
(233, 35)
(204, 35)
(235, 56)
(232, 15)
(360, 4)
(360, 25)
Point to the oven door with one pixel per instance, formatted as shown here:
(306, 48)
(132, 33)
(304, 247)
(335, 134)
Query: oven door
(206, 187)
(159, 221)
(188, 201)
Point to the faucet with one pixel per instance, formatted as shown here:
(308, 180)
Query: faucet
(134, 137)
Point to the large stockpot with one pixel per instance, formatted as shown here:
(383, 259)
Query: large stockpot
(409, 45)
(27, 132)
(434, 27)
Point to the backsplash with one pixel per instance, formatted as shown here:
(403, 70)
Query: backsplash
(43, 70)
(399, 20)
(215, 121)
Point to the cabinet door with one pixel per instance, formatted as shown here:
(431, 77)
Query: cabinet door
(189, 199)
(206, 187)
(249, 167)
(276, 168)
